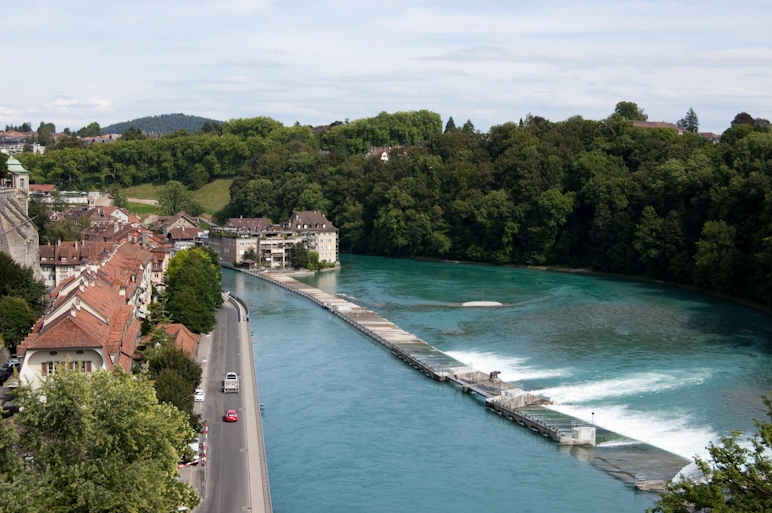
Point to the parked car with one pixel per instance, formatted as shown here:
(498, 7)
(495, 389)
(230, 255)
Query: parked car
(231, 416)
(195, 448)
(6, 371)
(198, 396)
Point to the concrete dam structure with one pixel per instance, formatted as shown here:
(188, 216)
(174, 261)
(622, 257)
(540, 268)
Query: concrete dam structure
(506, 399)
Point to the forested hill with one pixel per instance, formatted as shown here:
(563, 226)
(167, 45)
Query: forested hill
(164, 124)
(582, 193)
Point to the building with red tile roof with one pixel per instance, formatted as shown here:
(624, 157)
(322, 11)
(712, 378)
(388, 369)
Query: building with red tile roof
(183, 234)
(179, 220)
(64, 259)
(94, 318)
(183, 338)
(101, 215)
(42, 188)
(251, 225)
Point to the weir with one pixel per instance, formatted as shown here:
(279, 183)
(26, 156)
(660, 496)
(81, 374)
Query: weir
(506, 399)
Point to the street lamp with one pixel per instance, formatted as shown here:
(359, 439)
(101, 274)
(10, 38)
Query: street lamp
(593, 418)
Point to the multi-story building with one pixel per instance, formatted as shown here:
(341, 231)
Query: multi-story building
(273, 245)
(93, 322)
(317, 232)
(63, 260)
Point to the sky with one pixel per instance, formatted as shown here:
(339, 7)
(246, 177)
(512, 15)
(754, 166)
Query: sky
(315, 62)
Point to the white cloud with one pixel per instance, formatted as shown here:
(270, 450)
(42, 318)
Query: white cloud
(316, 62)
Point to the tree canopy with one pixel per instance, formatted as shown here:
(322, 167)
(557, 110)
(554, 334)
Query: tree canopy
(601, 194)
(18, 281)
(630, 110)
(88, 442)
(163, 124)
(193, 288)
(174, 197)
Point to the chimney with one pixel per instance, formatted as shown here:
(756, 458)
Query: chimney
(145, 239)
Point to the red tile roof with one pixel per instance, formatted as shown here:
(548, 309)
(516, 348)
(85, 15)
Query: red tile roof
(655, 124)
(309, 220)
(252, 224)
(183, 338)
(42, 187)
(184, 233)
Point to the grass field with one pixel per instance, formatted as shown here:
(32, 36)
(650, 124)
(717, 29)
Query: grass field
(212, 196)
(141, 209)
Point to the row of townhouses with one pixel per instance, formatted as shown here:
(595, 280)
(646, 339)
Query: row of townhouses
(94, 318)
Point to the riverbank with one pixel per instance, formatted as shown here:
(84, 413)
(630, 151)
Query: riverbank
(590, 272)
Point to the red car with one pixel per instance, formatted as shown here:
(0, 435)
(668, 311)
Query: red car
(231, 416)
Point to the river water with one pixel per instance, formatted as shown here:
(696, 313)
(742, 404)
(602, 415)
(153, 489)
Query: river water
(350, 428)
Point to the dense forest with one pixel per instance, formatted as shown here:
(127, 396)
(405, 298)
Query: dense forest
(582, 193)
(163, 124)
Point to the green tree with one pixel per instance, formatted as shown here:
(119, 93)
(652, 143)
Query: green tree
(132, 134)
(46, 134)
(690, 122)
(737, 478)
(717, 260)
(193, 288)
(95, 442)
(175, 197)
(69, 141)
(450, 126)
(256, 198)
(116, 193)
(299, 258)
(91, 130)
(175, 374)
(16, 319)
(648, 237)
(630, 110)
(20, 282)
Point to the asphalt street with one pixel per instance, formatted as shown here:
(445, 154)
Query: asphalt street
(224, 481)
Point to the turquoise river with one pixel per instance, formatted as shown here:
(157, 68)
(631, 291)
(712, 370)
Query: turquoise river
(348, 427)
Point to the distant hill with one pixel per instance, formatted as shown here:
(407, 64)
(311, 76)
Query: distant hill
(165, 124)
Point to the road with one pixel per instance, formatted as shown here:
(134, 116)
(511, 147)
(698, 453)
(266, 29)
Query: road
(226, 475)
(143, 201)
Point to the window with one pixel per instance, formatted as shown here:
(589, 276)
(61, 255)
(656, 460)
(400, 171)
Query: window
(49, 368)
(81, 366)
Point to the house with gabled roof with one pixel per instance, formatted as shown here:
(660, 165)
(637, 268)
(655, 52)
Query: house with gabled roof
(179, 220)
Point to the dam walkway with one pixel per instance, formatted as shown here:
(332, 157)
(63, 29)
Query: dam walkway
(506, 399)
